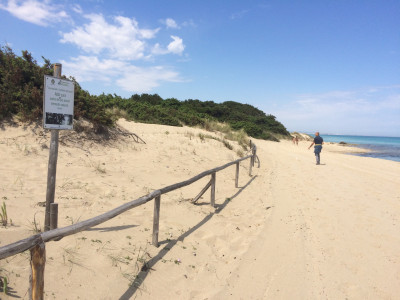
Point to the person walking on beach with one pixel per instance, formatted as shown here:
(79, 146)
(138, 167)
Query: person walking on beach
(318, 141)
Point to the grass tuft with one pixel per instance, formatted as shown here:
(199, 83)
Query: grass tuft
(3, 215)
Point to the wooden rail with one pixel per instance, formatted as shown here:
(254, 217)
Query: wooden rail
(36, 243)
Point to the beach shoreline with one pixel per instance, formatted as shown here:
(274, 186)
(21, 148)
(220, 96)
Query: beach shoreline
(291, 230)
(381, 147)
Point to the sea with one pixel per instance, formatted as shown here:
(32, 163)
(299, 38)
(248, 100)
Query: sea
(379, 146)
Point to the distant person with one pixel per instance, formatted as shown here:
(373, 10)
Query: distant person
(296, 140)
(318, 141)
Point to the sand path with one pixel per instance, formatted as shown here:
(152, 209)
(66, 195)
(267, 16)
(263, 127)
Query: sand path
(332, 232)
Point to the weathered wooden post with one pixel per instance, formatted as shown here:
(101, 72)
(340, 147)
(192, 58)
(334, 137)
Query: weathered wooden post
(237, 175)
(52, 167)
(156, 220)
(254, 154)
(58, 114)
(38, 261)
(251, 165)
(53, 215)
(213, 180)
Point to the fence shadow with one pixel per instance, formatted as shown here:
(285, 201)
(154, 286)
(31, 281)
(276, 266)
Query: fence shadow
(148, 266)
(113, 228)
(11, 293)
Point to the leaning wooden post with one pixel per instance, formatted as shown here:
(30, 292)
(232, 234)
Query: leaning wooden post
(202, 191)
(38, 261)
(213, 177)
(156, 220)
(237, 175)
(52, 167)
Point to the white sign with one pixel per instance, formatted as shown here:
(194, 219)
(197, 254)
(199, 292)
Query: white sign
(58, 103)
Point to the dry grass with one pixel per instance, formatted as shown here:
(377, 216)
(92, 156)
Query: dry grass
(3, 215)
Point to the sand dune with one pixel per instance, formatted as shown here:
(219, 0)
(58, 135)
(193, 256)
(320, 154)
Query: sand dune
(293, 230)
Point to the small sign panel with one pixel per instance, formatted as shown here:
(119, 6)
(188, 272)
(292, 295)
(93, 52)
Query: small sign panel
(58, 103)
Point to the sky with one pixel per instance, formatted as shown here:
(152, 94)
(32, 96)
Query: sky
(331, 66)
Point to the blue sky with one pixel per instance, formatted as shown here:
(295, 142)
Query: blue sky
(331, 66)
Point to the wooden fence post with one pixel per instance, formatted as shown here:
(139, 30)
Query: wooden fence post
(51, 176)
(251, 165)
(52, 167)
(53, 215)
(213, 180)
(254, 155)
(156, 220)
(38, 261)
(237, 175)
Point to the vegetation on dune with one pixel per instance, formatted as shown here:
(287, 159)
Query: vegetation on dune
(21, 91)
(21, 94)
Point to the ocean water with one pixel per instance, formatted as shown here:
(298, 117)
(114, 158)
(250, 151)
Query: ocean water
(380, 147)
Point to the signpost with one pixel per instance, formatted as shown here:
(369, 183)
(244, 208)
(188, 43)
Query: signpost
(58, 109)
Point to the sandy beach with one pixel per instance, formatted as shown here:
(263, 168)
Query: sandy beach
(292, 230)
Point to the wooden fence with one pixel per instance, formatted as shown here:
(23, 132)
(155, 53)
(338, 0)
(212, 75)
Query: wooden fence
(36, 243)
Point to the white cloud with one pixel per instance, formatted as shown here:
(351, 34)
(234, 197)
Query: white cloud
(77, 8)
(143, 80)
(123, 40)
(159, 50)
(170, 23)
(112, 47)
(189, 23)
(176, 46)
(128, 77)
(42, 13)
(91, 68)
(108, 47)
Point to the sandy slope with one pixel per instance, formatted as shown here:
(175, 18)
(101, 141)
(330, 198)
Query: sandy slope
(293, 230)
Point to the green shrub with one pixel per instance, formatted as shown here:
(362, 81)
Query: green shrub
(21, 93)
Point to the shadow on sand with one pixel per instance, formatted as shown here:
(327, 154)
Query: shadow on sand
(113, 228)
(135, 286)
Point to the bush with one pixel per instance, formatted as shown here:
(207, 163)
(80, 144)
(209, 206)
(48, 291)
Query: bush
(21, 93)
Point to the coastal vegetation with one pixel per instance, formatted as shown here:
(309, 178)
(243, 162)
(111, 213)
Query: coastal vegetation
(21, 95)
